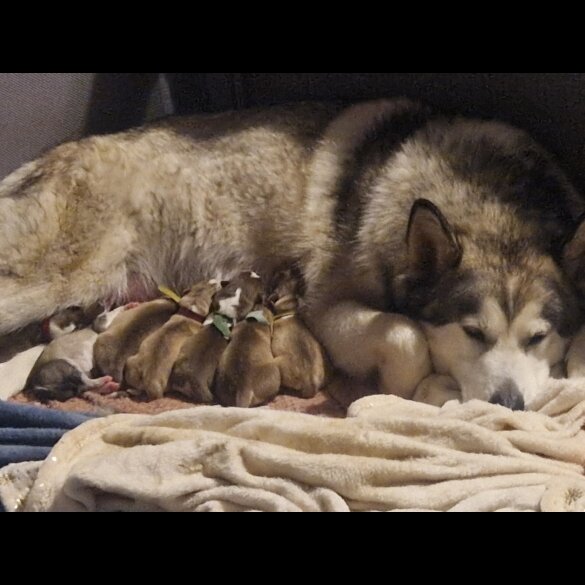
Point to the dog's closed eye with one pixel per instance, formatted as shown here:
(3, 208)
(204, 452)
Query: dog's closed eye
(475, 333)
(536, 339)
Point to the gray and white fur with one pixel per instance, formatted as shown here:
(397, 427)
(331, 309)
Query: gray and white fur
(425, 241)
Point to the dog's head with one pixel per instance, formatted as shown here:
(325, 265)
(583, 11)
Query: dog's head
(497, 309)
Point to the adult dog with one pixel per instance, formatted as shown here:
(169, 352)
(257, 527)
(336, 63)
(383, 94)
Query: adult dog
(400, 220)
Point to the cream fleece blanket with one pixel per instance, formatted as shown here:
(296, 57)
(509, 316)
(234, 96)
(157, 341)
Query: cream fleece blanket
(389, 454)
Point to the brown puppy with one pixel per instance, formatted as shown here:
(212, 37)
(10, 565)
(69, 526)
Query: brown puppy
(149, 370)
(195, 368)
(303, 363)
(304, 366)
(123, 338)
(248, 374)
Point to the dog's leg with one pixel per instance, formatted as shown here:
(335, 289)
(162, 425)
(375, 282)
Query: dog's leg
(437, 390)
(361, 341)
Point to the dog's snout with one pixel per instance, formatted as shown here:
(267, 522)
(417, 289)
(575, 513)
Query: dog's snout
(509, 396)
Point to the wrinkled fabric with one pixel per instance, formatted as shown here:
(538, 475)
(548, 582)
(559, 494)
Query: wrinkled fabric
(390, 454)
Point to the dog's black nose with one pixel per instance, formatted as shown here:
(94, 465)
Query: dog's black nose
(509, 396)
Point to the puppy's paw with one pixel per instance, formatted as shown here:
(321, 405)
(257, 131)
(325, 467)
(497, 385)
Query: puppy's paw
(155, 390)
(108, 388)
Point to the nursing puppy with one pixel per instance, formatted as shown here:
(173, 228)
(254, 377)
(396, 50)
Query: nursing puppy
(399, 218)
(196, 365)
(303, 364)
(239, 295)
(63, 369)
(149, 370)
(194, 371)
(248, 375)
(123, 338)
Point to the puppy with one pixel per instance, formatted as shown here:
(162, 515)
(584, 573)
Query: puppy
(302, 361)
(126, 333)
(248, 374)
(149, 370)
(196, 366)
(62, 370)
(194, 370)
(238, 297)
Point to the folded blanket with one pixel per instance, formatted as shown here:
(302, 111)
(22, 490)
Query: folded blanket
(389, 454)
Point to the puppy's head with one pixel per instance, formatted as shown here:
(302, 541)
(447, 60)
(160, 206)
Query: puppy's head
(498, 312)
(286, 286)
(71, 319)
(239, 296)
(198, 299)
(56, 380)
(66, 321)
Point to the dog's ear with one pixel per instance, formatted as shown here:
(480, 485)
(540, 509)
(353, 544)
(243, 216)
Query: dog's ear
(431, 243)
(573, 255)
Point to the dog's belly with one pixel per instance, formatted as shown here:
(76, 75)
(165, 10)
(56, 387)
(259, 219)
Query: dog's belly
(212, 208)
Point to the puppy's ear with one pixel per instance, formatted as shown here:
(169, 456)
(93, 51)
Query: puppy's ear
(573, 256)
(431, 243)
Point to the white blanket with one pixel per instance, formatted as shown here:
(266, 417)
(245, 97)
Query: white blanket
(389, 454)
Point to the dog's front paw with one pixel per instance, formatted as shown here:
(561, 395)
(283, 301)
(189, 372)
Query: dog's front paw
(437, 390)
